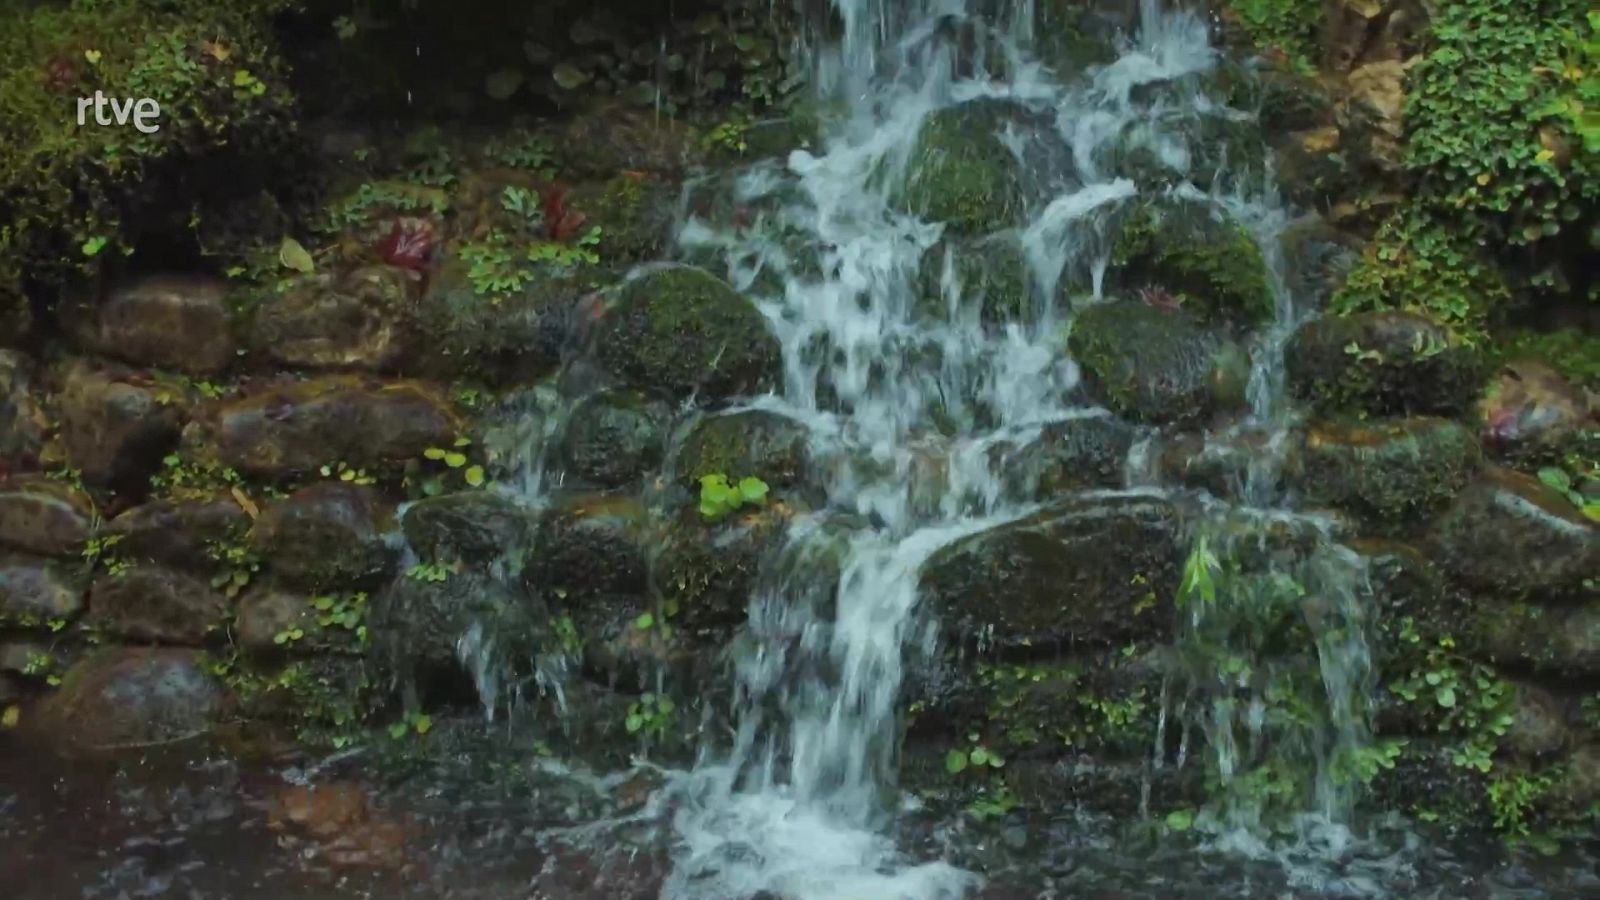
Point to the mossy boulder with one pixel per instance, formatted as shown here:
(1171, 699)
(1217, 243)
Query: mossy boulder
(327, 536)
(115, 431)
(633, 212)
(1086, 571)
(1208, 262)
(1158, 365)
(1384, 363)
(1390, 473)
(1316, 259)
(962, 173)
(298, 428)
(766, 445)
(1226, 464)
(708, 576)
(1556, 640)
(1531, 413)
(589, 547)
(1072, 454)
(614, 438)
(989, 276)
(156, 604)
(45, 517)
(611, 138)
(194, 535)
(471, 525)
(681, 331)
(129, 698)
(35, 591)
(361, 319)
(1512, 536)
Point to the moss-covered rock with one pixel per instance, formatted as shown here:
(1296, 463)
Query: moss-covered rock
(1158, 365)
(988, 275)
(196, 535)
(1208, 262)
(679, 331)
(1513, 536)
(156, 604)
(115, 431)
(613, 138)
(961, 172)
(179, 322)
(1558, 640)
(298, 428)
(708, 576)
(635, 215)
(129, 698)
(361, 319)
(327, 536)
(45, 517)
(1072, 454)
(472, 525)
(1083, 571)
(1316, 259)
(1391, 473)
(766, 445)
(1530, 413)
(615, 437)
(1385, 363)
(590, 547)
(35, 591)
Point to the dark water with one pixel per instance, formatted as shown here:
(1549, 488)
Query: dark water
(200, 822)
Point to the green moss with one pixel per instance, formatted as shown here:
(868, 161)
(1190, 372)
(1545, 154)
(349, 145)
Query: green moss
(1386, 363)
(961, 173)
(1391, 473)
(633, 214)
(1570, 351)
(1210, 265)
(1287, 27)
(1155, 364)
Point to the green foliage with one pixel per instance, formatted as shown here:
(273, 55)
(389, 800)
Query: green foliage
(1199, 574)
(1512, 798)
(1286, 26)
(337, 617)
(977, 756)
(441, 467)
(1461, 698)
(99, 552)
(430, 572)
(1588, 501)
(185, 478)
(1573, 352)
(412, 723)
(651, 717)
(347, 473)
(237, 564)
(719, 498)
(522, 149)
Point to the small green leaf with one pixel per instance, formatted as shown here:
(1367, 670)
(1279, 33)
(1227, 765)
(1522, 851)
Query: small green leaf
(753, 490)
(1180, 819)
(955, 761)
(423, 724)
(569, 77)
(1446, 697)
(93, 246)
(474, 476)
(397, 730)
(434, 453)
(293, 256)
(644, 621)
(1556, 478)
(455, 460)
(634, 722)
(979, 756)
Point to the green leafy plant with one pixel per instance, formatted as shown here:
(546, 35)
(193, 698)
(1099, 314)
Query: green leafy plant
(238, 565)
(413, 723)
(430, 572)
(1460, 698)
(1199, 574)
(719, 498)
(99, 551)
(580, 252)
(651, 716)
(975, 756)
(1288, 27)
(1563, 483)
(347, 473)
(442, 467)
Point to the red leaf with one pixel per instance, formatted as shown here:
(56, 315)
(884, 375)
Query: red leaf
(567, 227)
(409, 243)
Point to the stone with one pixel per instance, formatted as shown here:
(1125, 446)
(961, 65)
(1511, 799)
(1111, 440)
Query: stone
(327, 536)
(991, 276)
(1530, 412)
(157, 605)
(168, 321)
(681, 331)
(128, 698)
(1510, 535)
(1538, 726)
(1392, 474)
(44, 517)
(614, 438)
(1068, 455)
(1206, 261)
(1083, 571)
(589, 547)
(187, 534)
(355, 320)
(1158, 365)
(298, 428)
(23, 423)
(266, 612)
(1383, 363)
(418, 631)
(35, 592)
(1558, 640)
(114, 432)
(751, 443)
(614, 138)
(471, 525)
(1317, 258)
(513, 338)
(707, 576)
(961, 171)
(1225, 463)
(634, 214)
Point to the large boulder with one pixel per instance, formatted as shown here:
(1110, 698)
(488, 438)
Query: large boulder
(23, 423)
(614, 438)
(1558, 640)
(1385, 363)
(44, 517)
(157, 605)
(130, 698)
(114, 431)
(355, 320)
(1158, 365)
(707, 576)
(327, 536)
(766, 445)
(1511, 535)
(472, 526)
(988, 276)
(962, 172)
(1068, 455)
(679, 331)
(296, 429)
(177, 322)
(1199, 256)
(590, 547)
(1086, 571)
(34, 592)
(1530, 412)
(196, 535)
(1391, 473)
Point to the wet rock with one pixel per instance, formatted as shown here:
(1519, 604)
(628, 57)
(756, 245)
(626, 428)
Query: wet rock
(327, 535)
(1317, 258)
(1577, 783)
(44, 517)
(1374, 108)
(1312, 170)
(708, 575)
(1074, 454)
(157, 605)
(1408, 594)
(614, 438)
(336, 823)
(114, 432)
(1157, 365)
(298, 428)
(1382, 363)
(962, 173)
(188, 534)
(135, 697)
(635, 215)
(1511, 535)
(1224, 464)
(1206, 261)
(766, 445)
(425, 633)
(681, 331)
(1538, 724)
(1390, 473)
(988, 275)
(589, 547)
(355, 320)
(472, 525)
(23, 423)
(1529, 411)
(614, 138)
(34, 592)
(170, 321)
(1558, 640)
(266, 612)
(1068, 574)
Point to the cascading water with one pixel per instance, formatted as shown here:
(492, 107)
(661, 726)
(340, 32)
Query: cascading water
(903, 408)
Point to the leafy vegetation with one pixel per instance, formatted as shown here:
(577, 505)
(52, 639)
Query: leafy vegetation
(1284, 27)
(719, 498)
